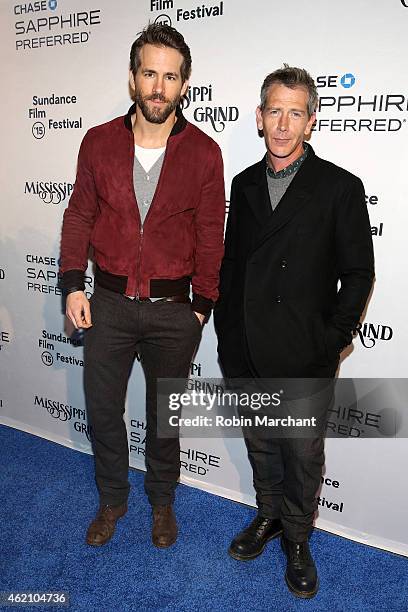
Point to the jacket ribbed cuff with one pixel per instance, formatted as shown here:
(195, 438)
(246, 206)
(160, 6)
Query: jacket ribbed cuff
(202, 304)
(73, 280)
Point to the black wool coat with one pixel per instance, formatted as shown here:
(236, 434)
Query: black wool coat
(294, 281)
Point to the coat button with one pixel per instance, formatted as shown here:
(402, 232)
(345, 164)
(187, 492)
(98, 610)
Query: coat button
(278, 299)
(284, 263)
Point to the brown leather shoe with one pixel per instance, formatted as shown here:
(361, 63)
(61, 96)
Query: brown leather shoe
(164, 531)
(102, 527)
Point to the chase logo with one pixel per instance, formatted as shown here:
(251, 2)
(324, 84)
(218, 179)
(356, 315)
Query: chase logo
(35, 7)
(333, 80)
(348, 80)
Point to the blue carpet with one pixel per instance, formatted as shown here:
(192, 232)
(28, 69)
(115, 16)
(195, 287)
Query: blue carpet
(48, 498)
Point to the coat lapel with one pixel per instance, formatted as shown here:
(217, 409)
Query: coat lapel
(298, 195)
(257, 194)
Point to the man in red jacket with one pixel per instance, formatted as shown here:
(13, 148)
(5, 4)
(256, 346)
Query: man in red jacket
(149, 198)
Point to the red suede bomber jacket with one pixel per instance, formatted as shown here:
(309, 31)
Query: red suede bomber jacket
(181, 239)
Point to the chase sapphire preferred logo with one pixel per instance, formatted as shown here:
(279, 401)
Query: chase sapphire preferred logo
(42, 275)
(40, 25)
(352, 111)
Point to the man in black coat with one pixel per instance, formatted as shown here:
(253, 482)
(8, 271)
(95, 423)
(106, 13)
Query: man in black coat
(296, 275)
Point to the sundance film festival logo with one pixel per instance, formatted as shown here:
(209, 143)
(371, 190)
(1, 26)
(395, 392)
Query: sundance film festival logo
(49, 192)
(357, 112)
(371, 333)
(323, 501)
(376, 230)
(202, 11)
(199, 99)
(51, 352)
(39, 25)
(51, 123)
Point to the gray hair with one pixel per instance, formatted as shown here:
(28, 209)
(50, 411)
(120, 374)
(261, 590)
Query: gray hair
(291, 77)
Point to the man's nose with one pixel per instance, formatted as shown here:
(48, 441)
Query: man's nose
(283, 122)
(158, 85)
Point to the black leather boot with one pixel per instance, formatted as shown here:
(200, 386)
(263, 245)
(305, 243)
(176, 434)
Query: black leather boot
(301, 573)
(251, 542)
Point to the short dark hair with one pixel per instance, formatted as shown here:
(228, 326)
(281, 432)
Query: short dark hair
(291, 77)
(164, 36)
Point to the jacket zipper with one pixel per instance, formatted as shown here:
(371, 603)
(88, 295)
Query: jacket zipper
(137, 296)
(139, 263)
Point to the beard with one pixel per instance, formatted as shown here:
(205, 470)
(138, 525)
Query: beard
(156, 115)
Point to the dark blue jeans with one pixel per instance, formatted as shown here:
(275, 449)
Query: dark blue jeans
(165, 335)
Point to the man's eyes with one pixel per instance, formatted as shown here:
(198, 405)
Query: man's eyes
(275, 112)
(168, 77)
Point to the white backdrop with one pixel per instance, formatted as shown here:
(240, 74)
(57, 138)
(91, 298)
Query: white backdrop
(78, 49)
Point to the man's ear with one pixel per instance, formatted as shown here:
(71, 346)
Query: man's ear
(310, 123)
(259, 120)
(132, 81)
(184, 88)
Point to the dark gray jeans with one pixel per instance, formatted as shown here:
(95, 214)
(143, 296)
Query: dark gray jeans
(287, 470)
(165, 335)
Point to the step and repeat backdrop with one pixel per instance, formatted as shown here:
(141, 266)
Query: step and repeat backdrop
(64, 69)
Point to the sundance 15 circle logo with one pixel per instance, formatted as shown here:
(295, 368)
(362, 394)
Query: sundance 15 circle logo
(47, 358)
(52, 4)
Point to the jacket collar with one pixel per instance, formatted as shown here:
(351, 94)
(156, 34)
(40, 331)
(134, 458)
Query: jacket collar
(178, 127)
